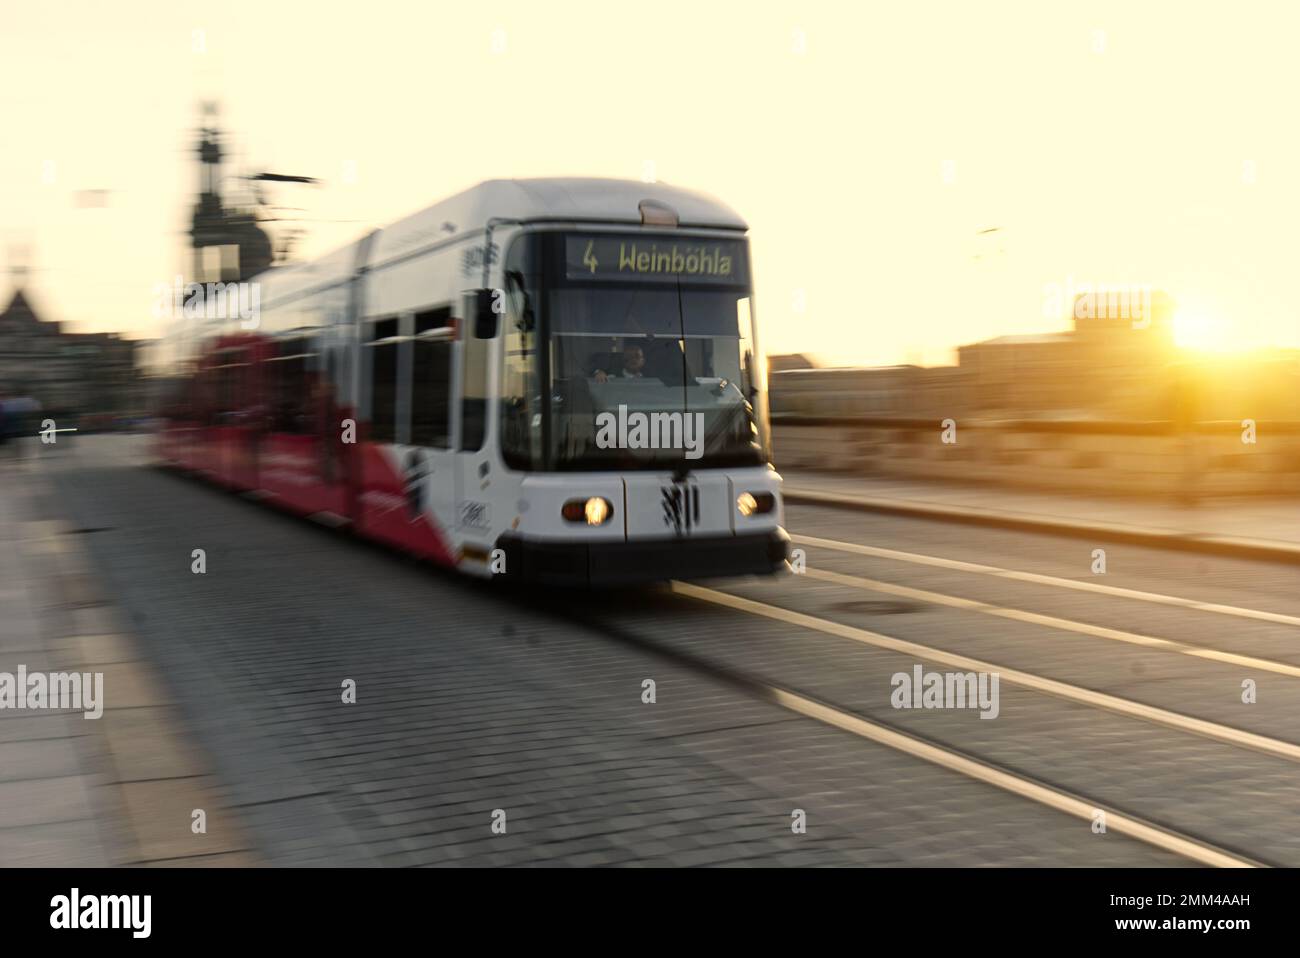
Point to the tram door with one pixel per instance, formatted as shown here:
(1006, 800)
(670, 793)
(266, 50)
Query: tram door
(474, 481)
(430, 459)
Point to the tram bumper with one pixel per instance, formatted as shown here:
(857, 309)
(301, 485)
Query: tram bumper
(567, 562)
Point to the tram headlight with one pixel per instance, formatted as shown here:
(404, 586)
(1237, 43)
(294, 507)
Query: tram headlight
(755, 503)
(594, 511)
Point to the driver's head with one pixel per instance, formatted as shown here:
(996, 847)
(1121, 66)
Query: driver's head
(633, 358)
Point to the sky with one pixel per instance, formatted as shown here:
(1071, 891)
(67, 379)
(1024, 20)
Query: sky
(916, 176)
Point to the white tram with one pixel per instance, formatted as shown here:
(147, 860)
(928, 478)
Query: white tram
(552, 380)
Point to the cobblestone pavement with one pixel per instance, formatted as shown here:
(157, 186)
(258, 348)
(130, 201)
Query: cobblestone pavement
(472, 702)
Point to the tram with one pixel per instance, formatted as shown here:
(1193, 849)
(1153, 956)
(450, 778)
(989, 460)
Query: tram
(545, 380)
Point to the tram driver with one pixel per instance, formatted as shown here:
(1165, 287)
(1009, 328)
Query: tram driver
(633, 364)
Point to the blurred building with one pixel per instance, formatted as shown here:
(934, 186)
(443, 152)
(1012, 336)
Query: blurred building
(784, 361)
(70, 374)
(894, 392)
(1114, 364)
(1118, 363)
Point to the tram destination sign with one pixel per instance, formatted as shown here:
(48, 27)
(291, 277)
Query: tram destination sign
(662, 259)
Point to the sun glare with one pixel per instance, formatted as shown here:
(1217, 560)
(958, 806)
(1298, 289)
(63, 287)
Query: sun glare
(1202, 332)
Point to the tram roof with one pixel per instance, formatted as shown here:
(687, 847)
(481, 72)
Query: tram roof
(577, 199)
(554, 198)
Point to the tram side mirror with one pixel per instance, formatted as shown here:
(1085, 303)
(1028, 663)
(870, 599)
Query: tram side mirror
(485, 317)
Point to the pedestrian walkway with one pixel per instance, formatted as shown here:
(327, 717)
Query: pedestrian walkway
(123, 787)
(48, 779)
(1256, 527)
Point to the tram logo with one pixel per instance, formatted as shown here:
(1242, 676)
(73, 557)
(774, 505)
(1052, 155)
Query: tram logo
(474, 258)
(474, 515)
(681, 507)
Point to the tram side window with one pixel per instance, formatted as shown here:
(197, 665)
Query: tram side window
(431, 393)
(288, 382)
(431, 320)
(383, 382)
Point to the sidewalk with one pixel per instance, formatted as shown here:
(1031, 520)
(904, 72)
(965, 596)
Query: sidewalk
(1247, 527)
(120, 789)
(48, 782)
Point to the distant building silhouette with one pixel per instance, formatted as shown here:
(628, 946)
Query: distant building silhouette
(69, 374)
(1110, 365)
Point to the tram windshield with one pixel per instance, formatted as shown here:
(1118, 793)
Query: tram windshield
(650, 368)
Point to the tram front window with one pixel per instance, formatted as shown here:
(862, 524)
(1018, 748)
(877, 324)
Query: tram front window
(650, 377)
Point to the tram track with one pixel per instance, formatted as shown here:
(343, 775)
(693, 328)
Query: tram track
(1035, 578)
(1165, 836)
(1065, 690)
(1195, 846)
(1058, 623)
(1146, 829)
